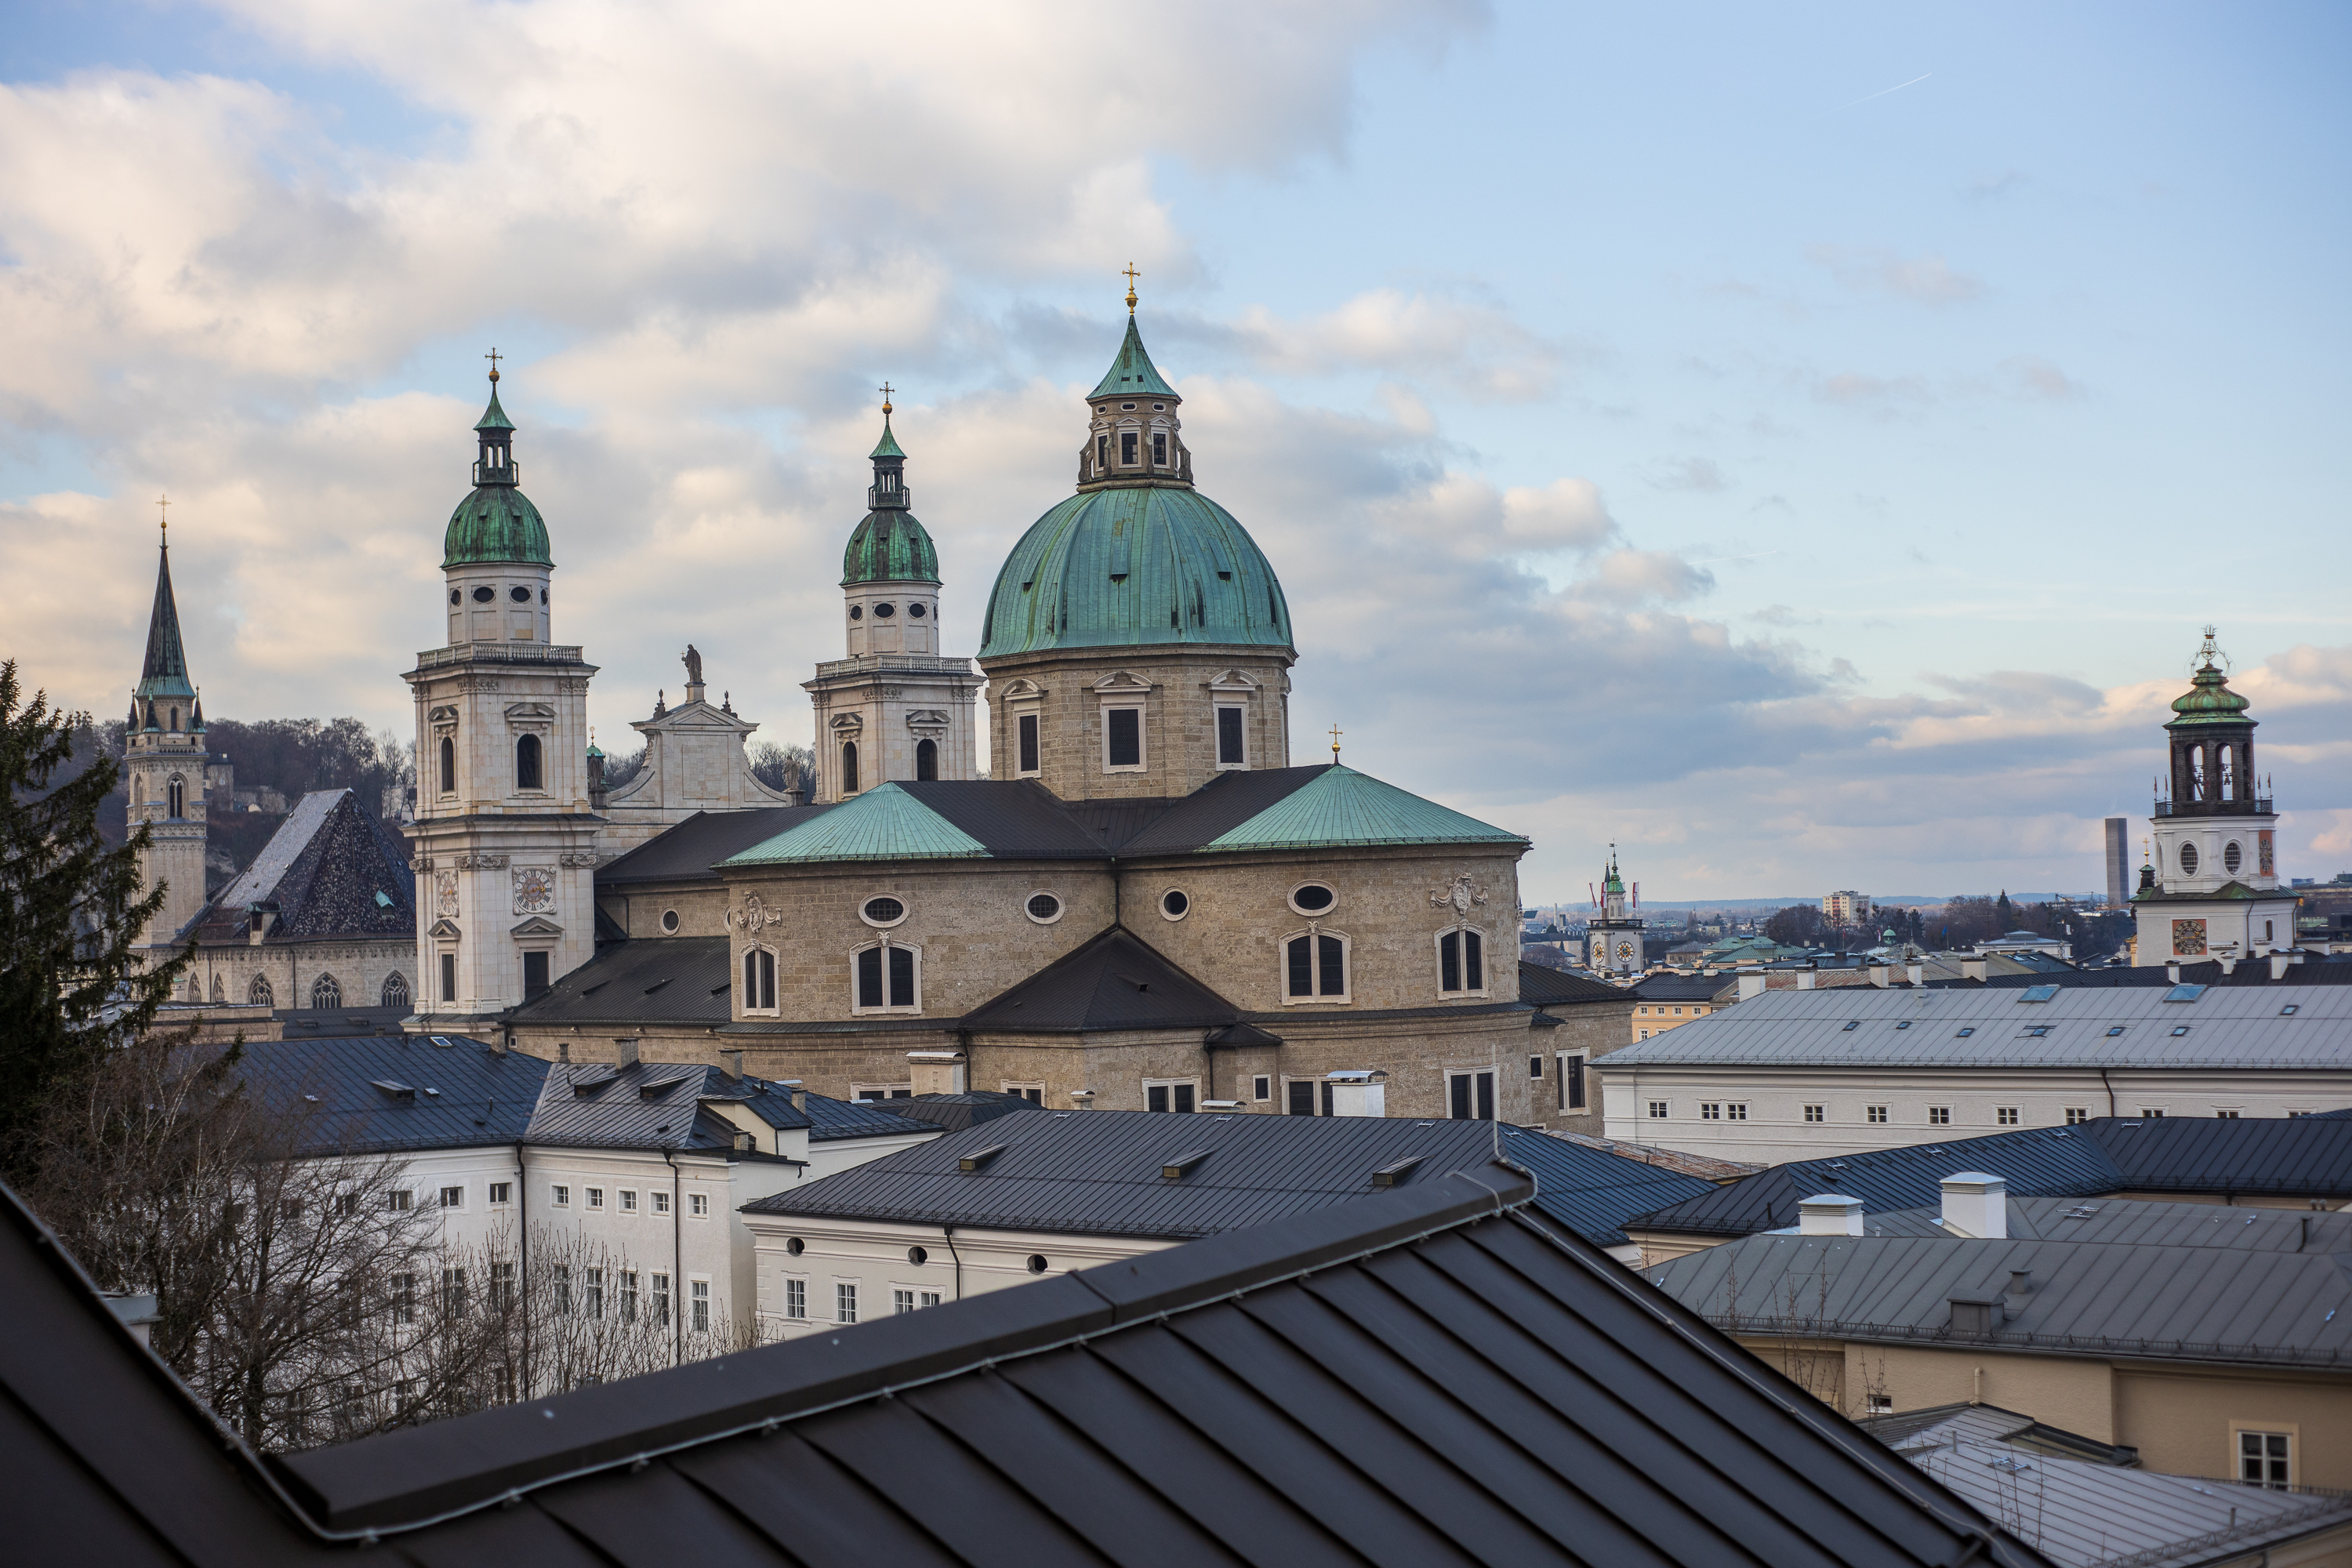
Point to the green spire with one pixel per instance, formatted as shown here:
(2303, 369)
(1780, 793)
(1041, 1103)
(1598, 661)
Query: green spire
(2208, 699)
(1132, 372)
(1613, 882)
(494, 417)
(165, 671)
(888, 446)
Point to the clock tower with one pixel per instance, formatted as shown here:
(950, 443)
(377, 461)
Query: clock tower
(1615, 942)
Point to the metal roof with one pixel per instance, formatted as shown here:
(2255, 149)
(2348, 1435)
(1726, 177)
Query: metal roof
(1589, 1190)
(1937, 1425)
(1683, 987)
(2177, 1302)
(1549, 987)
(957, 1111)
(1132, 374)
(1217, 807)
(1340, 807)
(2241, 1028)
(885, 823)
(330, 870)
(462, 1094)
(2299, 1156)
(2143, 1220)
(1016, 819)
(1433, 1377)
(666, 979)
(692, 850)
(1116, 981)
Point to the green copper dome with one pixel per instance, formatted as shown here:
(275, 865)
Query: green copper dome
(889, 546)
(496, 523)
(2208, 699)
(1131, 566)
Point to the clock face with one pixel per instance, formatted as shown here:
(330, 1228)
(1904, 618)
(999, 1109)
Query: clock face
(1625, 953)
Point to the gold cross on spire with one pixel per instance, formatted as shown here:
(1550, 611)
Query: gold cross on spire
(164, 513)
(1336, 733)
(1130, 275)
(886, 397)
(493, 357)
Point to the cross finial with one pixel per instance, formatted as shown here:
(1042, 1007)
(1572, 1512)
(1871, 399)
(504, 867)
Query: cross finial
(1336, 733)
(886, 397)
(493, 357)
(1130, 275)
(164, 513)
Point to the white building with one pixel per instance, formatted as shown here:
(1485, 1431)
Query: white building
(1790, 1075)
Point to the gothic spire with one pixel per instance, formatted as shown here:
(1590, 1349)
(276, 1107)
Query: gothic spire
(165, 671)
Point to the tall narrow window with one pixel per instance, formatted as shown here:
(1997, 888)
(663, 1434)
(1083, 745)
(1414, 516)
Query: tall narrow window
(849, 767)
(902, 976)
(1461, 962)
(1572, 1083)
(1123, 737)
(1127, 448)
(179, 797)
(448, 765)
(534, 973)
(1449, 962)
(1102, 453)
(1470, 1096)
(1028, 728)
(448, 977)
(927, 759)
(758, 980)
(1315, 967)
(325, 992)
(1302, 1096)
(888, 978)
(395, 990)
(1231, 749)
(526, 771)
(1158, 450)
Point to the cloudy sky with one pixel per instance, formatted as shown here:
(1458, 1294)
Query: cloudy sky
(1801, 443)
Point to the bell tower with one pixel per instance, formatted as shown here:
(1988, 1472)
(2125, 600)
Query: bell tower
(164, 761)
(1614, 941)
(504, 844)
(895, 709)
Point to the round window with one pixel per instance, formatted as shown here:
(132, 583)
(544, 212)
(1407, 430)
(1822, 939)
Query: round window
(856, 612)
(1043, 908)
(520, 595)
(1036, 1263)
(918, 1256)
(796, 1246)
(1312, 898)
(1174, 905)
(2188, 859)
(484, 595)
(455, 597)
(883, 911)
(884, 612)
(2230, 858)
(669, 922)
(543, 596)
(916, 612)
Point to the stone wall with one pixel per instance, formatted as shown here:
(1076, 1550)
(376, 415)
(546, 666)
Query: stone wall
(359, 968)
(1172, 684)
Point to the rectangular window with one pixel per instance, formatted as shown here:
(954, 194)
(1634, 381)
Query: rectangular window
(700, 1296)
(1159, 449)
(628, 1201)
(844, 1304)
(1535, 1066)
(534, 973)
(1657, 1110)
(564, 1288)
(1102, 452)
(501, 1192)
(2265, 1460)
(1035, 1093)
(1027, 725)
(1261, 1088)
(1572, 1083)
(594, 1196)
(2077, 1114)
(902, 976)
(399, 1200)
(2225, 1116)
(1174, 1098)
(592, 1294)
(796, 1299)
(1127, 448)
(403, 1298)
(759, 980)
(448, 977)
(661, 1298)
(453, 1197)
(562, 1195)
(901, 1302)
(2005, 1116)
(1123, 737)
(869, 977)
(661, 1203)
(929, 1298)
(1461, 962)
(1817, 1113)
(1470, 1096)
(1302, 1096)
(697, 1205)
(2148, 1115)
(1315, 966)
(1710, 1110)
(1232, 751)
(1882, 1404)
(1875, 1113)
(1737, 1111)
(1940, 1116)
(502, 1286)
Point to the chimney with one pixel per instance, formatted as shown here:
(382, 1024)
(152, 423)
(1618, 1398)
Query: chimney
(1915, 973)
(1357, 1092)
(624, 1051)
(731, 1064)
(2172, 972)
(1879, 975)
(2279, 961)
(2230, 964)
(563, 1051)
(502, 1042)
(2020, 1286)
(1829, 1214)
(1751, 985)
(936, 1072)
(136, 1313)
(1975, 1204)
(1973, 968)
(1084, 1099)
(1805, 978)
(800, 1095)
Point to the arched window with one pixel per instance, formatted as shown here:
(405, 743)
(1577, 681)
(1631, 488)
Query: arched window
(526, 763)
(927, 759)
(849, 767)
(448, 765)
(1314, 967)
(395, 989)
(220, 991)
(259, 993)
(325, 992)
(175, 723)
(1461, 962)
(758, 980)
(888, 978)
(179, 797)
(195, 989)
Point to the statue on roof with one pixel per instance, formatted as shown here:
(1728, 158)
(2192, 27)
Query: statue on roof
(693, 662)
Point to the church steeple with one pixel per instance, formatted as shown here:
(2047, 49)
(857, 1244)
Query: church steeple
(496, 431)
(1134, 436)
(164, 761)
(164, 672)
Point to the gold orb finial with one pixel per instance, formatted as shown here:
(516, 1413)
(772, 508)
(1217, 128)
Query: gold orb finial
(163, 514)
(1336, 733)
(885, 400)
(493, 357)
(1130, 275)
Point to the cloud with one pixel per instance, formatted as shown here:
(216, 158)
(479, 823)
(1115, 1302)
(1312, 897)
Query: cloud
(1923, 279)
(2032, 377)
(1476, 349)
(1685, 473)
(1883, 395)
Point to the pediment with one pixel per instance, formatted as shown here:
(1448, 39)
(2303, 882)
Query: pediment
(445, 929)
(1022, 687)
(927, 719)
(848, 724)
(1121, 682)
(538, 925)
(1234, 681)
(530, 710)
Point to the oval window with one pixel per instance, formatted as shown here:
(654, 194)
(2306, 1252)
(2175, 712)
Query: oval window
(1312, 898)
(520, 595)
(456, 596)
(796, 1246)
(1043, 908)
(884, 911)
(884, 612)
(484, 595)
(856, 612)
(1174, 905)
(2230, 858)
(916, 612)
(1036, 1263)
(918, 1256)
(543, 596)
(2188, 859)
(669, 922)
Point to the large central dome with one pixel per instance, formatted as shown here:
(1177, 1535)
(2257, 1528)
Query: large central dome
(1138, 557)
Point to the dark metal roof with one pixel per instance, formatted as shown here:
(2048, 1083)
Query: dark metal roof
(687, 852)
(464, 1094)
(957, 1111)
(1015, 819)
(2315, 970)
(2306, 1156)
(1548, 987)
(1217, 807)
(1432, 1377)
(1115, 981)
(2149, 1220)
(835, 1119)
(663, 979)
(331, 871)
(650, 1105)
(1682, 987)
(1590, 1191)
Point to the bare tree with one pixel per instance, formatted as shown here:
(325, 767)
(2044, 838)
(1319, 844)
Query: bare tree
(782, 768)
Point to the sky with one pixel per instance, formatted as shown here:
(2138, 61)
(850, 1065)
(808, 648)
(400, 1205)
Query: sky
(1800, 444)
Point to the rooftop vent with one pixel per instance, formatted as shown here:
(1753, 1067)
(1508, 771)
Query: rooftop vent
(1976, 1314)
(1396, 1171)
(391, 1090)
(978, 1158)
(661, 1086)
(1176, 1169)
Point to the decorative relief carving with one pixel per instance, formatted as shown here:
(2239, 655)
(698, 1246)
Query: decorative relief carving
(534, 889)
(1460, 895)
(479, 862)
(578, 860)
(445, 895)
(754, 917)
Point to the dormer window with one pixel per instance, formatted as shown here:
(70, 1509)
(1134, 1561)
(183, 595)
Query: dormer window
(1102, 452)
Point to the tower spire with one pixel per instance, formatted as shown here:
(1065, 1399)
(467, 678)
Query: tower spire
(1131, 275)
(164, 671)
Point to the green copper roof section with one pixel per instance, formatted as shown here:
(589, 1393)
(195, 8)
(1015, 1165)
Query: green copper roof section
(888, 446)
(1132, 371)
(165, 671)
(2208, 701)
(885, 823)
(1342, 808)
(1131, 566)
(494, 417)
(889, 546)
(496, 523)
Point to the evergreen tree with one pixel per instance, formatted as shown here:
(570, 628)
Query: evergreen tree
(2007, 912)
(70, 909)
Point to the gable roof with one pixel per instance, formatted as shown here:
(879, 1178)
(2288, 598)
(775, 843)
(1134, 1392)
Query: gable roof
(1115, 981)
(885, 823)
(669, 978)
(1341, 808)
(1547, 987)
(349, 1093)
(1592, 1191)
(691, 850)
(330, 870)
